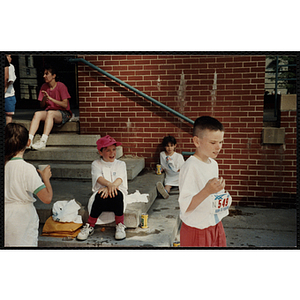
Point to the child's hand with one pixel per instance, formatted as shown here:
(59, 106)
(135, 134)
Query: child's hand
(215, 185)
(46, 173)
(109, 191)
(112, 190)
(103, 192)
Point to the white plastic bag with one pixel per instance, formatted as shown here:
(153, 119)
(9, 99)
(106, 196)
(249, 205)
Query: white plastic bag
(66, 211)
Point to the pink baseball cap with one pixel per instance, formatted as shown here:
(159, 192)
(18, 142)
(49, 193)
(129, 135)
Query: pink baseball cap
(107, 141)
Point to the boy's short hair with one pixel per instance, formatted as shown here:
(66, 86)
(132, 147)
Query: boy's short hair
(168, 139)
(206, 122)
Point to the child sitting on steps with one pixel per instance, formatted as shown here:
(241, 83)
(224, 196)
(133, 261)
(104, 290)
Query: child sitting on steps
(171, 162)
(109, 186)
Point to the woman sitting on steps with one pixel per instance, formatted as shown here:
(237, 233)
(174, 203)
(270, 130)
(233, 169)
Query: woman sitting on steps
(55, 96)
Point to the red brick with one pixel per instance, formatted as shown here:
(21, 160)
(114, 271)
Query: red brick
(242, 58)
(241, 111)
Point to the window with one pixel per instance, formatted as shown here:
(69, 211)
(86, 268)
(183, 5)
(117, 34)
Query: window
(280, 80)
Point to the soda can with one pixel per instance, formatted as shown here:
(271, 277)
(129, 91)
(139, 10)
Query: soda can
(176, 244)
(144, 221)
(158, 169)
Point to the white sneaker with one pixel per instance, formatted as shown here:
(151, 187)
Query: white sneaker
(160, 187)
(85, 232)
(120, 232)
(41, 144)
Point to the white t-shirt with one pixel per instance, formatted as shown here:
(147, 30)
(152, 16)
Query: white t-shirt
(21, 181)
(171, 165)
(193, 177)
(12, 77)
(21, 219)
(110, 171)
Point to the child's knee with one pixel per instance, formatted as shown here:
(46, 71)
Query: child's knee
(119, 198)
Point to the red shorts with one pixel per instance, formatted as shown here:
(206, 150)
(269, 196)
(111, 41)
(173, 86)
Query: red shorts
(213, 236)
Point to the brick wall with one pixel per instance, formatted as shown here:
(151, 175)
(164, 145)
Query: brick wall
(255, 174)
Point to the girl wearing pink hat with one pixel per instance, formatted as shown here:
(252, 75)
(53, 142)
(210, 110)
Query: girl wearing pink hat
(109, 186)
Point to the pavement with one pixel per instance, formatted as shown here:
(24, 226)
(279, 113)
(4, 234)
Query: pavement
(250, 227)
(163, 222)
(245, 228)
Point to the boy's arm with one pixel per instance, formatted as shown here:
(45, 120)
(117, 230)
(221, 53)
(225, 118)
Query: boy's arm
(213, 186)
(111, 186)
(105, 182)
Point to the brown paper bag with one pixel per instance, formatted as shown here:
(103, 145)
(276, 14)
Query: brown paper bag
(60, 229)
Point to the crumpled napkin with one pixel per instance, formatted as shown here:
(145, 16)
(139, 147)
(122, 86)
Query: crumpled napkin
(171, 164)
(66, 211)
(137, 197)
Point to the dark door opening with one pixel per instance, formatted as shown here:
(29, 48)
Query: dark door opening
(30, 70)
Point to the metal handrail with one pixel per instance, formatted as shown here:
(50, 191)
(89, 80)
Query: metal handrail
(132, 89)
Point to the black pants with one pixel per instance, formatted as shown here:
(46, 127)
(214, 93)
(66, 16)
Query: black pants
(114, 204)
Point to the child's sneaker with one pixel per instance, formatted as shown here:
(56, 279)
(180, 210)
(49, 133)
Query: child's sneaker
(41, 144)
(120, 232)
(85, 232)
(161, 189)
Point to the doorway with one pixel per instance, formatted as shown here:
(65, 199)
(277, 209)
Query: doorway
(29, 70)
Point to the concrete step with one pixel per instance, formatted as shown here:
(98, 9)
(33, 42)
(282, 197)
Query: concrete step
(67, 139)
(134, 165)
(70, 171)
(81, 192)
(77, 170)
(66, 154)
(69, 127)
(162, 231)
(51, 154)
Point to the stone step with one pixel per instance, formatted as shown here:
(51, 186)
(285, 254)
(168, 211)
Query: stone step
(81, 192)
(66, 139)
(50, 154)
(77, 170)
(66, 154)
(162, 231)
(69, 127)
(134, 165)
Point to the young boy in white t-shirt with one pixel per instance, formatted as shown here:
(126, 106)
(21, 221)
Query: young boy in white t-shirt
(171, 162)
(203, 201)
(110, 188)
